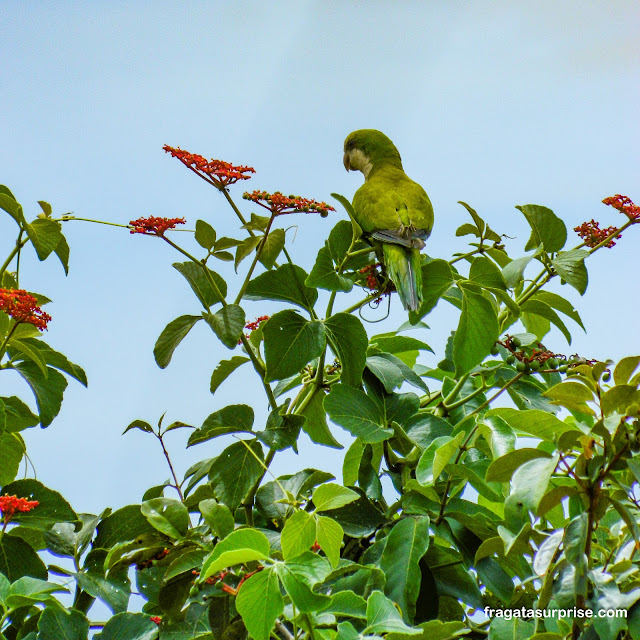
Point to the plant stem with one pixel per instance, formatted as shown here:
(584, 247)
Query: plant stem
(176, 484)
(473, 394)
(19, 244)
(456, 389)
(236, 210)
(3, 346)
(358, 305)
(250, 500)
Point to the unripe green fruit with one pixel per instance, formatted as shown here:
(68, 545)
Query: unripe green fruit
(552, 363)
(606, 376)
(535, 365)
(563, 369)
(511, 358)
(494, 350)
(515, 341)
(521, 366)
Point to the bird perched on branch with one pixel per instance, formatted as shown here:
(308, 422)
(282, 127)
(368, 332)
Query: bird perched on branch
(394, 212)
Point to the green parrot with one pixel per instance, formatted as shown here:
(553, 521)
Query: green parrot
(393, 210)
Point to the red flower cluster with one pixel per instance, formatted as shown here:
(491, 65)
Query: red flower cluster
(23, 307)
(146, 564)
(10, 504)
(593, 235)
(252, 326)
(217, 172)
(280, 204)
(156, 619)
(153, 226)
(625, 205)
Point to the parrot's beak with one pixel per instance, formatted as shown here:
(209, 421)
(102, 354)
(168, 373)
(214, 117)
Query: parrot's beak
(345, 161)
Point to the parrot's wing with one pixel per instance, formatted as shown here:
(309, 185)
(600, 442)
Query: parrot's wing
(409, 237)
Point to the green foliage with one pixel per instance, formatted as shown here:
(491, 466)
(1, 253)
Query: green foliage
(402, 547)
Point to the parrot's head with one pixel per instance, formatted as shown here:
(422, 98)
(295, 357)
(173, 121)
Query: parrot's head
(366, 148)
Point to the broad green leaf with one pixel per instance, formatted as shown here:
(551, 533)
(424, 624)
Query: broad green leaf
(11, 451)
(479, 222)
(227, 323)
(357, 230)
(387, 367)
(45, 236)
(332, 496)
(260, 603)
(171, 336)
(424, 428)
(236, 418)
(17, 415)
(539, 308)
(239, 547)
(290, 342)
(536, 423)
(27, 591)
(218, 517)
(235, 471)
(298, 534)
(9, 204)
(62, 251)
(477, 332)
(205, 234)
(245, 248)
(575, 540)
(272, 247)
(498, 434)
(282, 429)
(115, 594)
(467, 229)
(167, 516)
(122, 525)
(286, 283)
(513, 629)
(435, 458)
(356, 412)
(530, 481)
(383, 617)
(572, 395)
(299, 590)
(57, 360)
(129, 626)
(25, 352)
(444, 453)
(437, 278)
(513, 272)
(396, 344)
(407, 543)
(559, 304)
(502, 468)
(52, 507)
(535, 324)
(48, 390)
(351, 463)
(324, 275)
(315, 425)
(196, 276)
(546, 552)
(56, 623)
(620, 399)
(339, 240)
(625, 368)
(347, 335)
(546, 228)
(347, 603)
(18, 559)
(329, 535)
(484, 272)
(571, 268)
(224, 369)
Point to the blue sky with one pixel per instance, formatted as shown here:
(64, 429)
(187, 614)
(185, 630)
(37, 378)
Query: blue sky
(493, 103)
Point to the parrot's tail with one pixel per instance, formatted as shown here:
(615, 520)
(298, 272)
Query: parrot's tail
(404, 269)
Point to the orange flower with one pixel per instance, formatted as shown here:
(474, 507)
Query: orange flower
(156, 619)
(10, 504)
(216, 172)
(593, 235)
(625, 205)
(280, 204)
(23, 307)
(153, 226)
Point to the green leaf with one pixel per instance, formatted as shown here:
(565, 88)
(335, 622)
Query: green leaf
(436, 457)
(484, 272)
(572, 395)
(195, 275)
(57, 360)
(235, 471)
(477, 332)
(122, 525)
(383, 617)
(27, 591)
(236, 418)
(467, 229)
(559, 304)
(290, 342)
(260, 603)
(239, 547)
(272, 248)
(218, 517)
(498, 434)
(513, 629)
(620, 399)
(129, 626)
(324, 275)
(56, 623)
(286, 283)
(52, 507)
(11, 451)
(315, 425)
(356, 412)
(347, 334)
(299, 590)
(546, 228)
(536, 423)
(62, 251)
(245, 248)
(25, 352)
(139, 424)
(205, 234)
(407, 542)
(167, 516)
(625, 368)
(45, 236)
(9, 204)
(571, 268)
(224, 369)
(17, 414)
(347, 603)
(437, 278)
(479, 222)
(502, 468)
(329, 535)
(513, 272)
(113, 593)
(171, 336)
(332, 496)
(356, 228)
(540, 308)
(17, 559)
(282, 429)
(395, 344)
(529, 483)
(227, 323)
(48, 390)
(386, 364)
(298, 534)
(575, 540)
